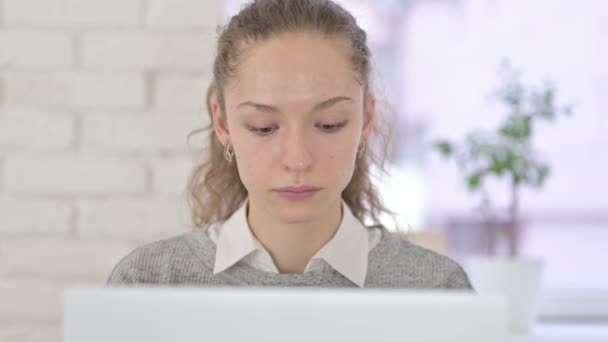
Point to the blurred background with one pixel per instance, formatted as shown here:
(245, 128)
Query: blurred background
(97, 98)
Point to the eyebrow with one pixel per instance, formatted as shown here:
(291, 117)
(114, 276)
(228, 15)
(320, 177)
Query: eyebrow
(320, 106)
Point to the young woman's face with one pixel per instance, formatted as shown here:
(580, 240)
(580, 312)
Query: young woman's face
(295, 117)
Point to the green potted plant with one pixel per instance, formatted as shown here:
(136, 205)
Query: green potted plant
(507, 154)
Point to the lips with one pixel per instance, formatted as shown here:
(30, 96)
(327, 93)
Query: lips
(297, 193)
(298, 189)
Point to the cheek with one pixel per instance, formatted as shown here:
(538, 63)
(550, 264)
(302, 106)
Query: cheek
(340, 165)
(253, 163)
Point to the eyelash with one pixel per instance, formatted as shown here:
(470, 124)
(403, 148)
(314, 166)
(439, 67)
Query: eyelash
(330, 128)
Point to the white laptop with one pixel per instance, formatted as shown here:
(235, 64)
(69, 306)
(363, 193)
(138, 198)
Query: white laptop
(280, 315)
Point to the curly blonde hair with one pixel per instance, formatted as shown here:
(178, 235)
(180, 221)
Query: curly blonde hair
(214, 190)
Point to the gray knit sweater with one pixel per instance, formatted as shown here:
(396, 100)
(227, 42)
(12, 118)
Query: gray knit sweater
(188, 259)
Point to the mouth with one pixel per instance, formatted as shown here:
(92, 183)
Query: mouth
(297, 192)
(300, 188)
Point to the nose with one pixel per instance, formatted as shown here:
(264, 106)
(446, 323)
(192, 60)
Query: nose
(296, 153)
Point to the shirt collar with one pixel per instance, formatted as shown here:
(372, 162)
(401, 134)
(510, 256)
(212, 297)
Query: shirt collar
(235, 240)
(346, 252)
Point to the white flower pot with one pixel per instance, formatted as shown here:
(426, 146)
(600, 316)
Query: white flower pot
(517, 278)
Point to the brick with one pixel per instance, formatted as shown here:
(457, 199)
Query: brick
(137, 220)
(30, 299)
(34, 130)
(148, 51)
(30, 332)
(170, 176)
(71, 175)
(60, 259)
(108, 91)
(71, 13)
(184, 14)
(181, 90)
(35, 89)
(152, 133)
(86, 90)
(32, 216)
(29, 49)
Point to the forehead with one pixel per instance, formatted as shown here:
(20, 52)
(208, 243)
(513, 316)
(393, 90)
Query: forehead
(295, 67)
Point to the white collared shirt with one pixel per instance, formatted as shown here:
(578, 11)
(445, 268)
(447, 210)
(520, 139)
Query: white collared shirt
(346, 252)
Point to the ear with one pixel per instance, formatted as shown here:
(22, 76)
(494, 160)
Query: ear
(220, 125)
(369, 116)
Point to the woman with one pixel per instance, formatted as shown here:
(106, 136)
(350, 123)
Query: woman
(281, 198)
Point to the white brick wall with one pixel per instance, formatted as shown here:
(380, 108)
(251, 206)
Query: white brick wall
(148, 132)
(26, 129)
(125, 219)
(74, 14)
(52, 217)
(181, 90)
(107, 90)
(146, 51)
(182, 14)
(170, 175)
(30, 331)
(35, 49)
(20, 296)
(74, 90)
(74, 175)
(60, 259)
(97, 98)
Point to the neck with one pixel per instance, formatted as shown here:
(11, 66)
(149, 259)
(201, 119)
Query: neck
(292, 245)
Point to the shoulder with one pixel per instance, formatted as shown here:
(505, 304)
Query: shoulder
(421, 267)
(150, 263)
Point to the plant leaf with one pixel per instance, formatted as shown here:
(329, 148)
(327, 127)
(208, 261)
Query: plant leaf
(445, 148)
(474, 180)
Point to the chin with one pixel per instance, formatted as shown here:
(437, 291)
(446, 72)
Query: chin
(293, 212)
(294, 219)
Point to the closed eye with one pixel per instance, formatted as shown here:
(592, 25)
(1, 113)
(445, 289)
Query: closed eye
(326, 128)
(262, 130)
(330, 128)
